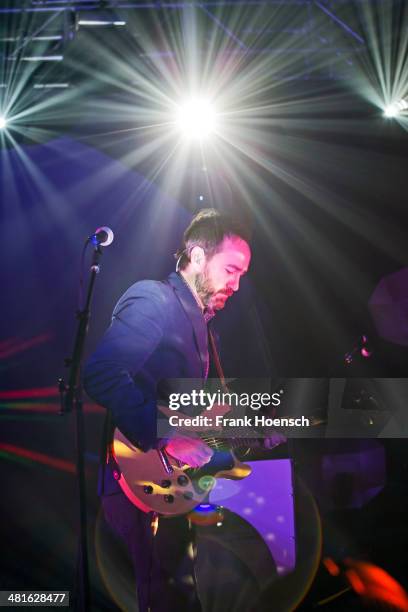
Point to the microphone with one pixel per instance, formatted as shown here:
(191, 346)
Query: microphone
(361, 346)
(103, 236)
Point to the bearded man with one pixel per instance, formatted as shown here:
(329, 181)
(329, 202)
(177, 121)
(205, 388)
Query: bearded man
(159, 332)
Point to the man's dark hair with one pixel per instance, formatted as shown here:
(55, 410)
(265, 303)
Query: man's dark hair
(208, 230)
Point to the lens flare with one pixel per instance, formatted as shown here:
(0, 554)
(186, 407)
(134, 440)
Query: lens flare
(396, 108)
(196, 118)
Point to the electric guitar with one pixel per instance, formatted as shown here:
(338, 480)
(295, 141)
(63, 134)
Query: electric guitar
(155, 481)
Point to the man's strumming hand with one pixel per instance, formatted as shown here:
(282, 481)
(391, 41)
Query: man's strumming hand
(192, 451)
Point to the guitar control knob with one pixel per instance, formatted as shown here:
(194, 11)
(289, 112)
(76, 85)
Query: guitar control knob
(166, 484)
(148, 489)
(169, 499)
(182, 480)
(188, 495)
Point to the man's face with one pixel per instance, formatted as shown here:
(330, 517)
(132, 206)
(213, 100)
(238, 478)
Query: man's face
(222, 272)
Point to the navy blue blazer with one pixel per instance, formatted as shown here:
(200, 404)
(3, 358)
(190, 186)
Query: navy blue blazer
(157, 334)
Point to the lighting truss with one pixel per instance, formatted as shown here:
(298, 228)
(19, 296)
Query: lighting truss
(317, 47)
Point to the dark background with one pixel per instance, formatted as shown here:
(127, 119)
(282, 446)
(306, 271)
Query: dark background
(323, 184)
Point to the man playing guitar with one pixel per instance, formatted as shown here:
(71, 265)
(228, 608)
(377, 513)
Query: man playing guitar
(160, 332)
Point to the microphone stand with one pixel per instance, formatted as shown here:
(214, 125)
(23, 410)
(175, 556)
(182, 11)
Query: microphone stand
(71, 399)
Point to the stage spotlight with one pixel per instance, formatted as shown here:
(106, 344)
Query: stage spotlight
(102, 18)
(3, 122)
(196, 119)
(396, 108)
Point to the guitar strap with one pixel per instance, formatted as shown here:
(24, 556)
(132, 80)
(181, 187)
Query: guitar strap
(216, 358)
(218, 366)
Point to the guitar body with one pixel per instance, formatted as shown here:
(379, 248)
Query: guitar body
(156, 482)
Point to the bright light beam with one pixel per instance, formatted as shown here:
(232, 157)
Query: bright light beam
(396, 108)
(196, 119)
(3, 122)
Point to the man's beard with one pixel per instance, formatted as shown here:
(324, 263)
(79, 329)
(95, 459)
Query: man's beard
(206, 292)
(204, 288)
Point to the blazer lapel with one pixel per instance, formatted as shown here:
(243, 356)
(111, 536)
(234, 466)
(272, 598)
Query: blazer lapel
(195, 317)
